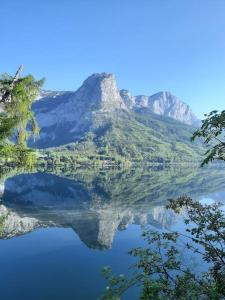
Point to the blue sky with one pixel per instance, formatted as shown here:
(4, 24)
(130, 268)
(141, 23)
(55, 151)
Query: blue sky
(150, 45)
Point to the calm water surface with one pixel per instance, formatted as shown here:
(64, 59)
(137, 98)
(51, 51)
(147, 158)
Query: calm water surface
(59, 229)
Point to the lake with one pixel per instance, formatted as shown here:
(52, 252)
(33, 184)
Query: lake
(59, 228)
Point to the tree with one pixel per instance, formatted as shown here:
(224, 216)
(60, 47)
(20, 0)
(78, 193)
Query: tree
(6, 86)
(212, 132)
(17, 121)
(160, 270)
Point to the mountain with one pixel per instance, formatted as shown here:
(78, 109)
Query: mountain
(98, 119)
(95, 204)
(49, 94)
(68, 116)
(166, 104)
(162, 103)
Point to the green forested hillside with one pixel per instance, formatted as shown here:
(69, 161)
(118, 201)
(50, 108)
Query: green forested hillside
(131, 137)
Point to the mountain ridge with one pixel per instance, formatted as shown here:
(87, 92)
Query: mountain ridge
(107, 121)
(162, 103)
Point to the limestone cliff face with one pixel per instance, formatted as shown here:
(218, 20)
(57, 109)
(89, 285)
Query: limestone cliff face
(141, 101)
(129, 100)
(162, 103)
(100, 92)
(166, 104)
(66, 117)
(12, 224)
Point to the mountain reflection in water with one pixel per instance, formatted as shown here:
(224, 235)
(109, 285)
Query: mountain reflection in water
(95, 204)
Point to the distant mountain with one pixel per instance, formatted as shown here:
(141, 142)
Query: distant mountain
(49, 94)
(104, 120)
(162, 103)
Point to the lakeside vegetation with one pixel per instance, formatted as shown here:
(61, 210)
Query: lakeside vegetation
(17, 121)
(159, 271)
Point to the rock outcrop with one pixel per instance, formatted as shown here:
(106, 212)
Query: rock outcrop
(166, 104)
(100, 92)
(11, 224)
(66, 117)
(162, 103)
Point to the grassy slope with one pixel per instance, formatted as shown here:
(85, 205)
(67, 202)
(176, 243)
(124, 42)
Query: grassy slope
(133, 137)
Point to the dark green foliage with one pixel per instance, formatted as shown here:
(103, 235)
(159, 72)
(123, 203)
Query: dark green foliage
(25, 91)
(160, 270)
(147, 137)
(17, 95)
(212, 132)
(6, 127)
(207, 230)
(131, 137)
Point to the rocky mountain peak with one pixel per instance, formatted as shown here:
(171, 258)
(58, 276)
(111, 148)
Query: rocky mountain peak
(65, 117)
(101, 90)
(166, 104)
(128, 99)
(165, 96)
(99, 77)
(162, 103)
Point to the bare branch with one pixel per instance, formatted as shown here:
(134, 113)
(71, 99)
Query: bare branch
(6, 97)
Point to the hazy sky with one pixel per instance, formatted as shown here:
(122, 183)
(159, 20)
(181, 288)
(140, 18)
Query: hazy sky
(150, 45)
